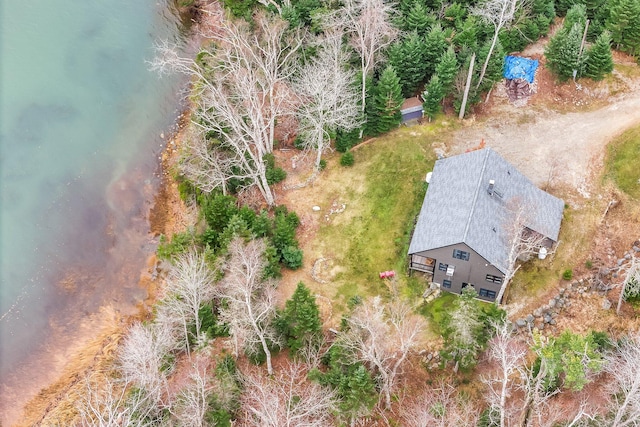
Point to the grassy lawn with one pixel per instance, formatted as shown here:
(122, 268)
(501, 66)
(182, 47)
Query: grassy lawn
(383, 192)
(622, 164)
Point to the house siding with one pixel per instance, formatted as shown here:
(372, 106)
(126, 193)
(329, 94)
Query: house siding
(474, 271)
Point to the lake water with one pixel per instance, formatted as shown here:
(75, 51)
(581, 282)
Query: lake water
(80, 124)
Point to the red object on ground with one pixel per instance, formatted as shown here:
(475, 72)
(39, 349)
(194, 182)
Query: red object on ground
(387, 274)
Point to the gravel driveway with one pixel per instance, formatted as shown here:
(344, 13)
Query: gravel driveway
(551, 147)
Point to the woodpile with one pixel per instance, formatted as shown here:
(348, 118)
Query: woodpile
(518, 89)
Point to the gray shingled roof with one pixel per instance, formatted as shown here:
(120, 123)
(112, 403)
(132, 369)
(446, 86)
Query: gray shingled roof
(459, 209)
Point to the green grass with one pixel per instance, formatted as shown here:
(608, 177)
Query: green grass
(383, 192)
(623, 155)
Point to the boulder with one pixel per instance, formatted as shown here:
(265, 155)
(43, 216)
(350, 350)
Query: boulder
(606, 304)
(521, 323)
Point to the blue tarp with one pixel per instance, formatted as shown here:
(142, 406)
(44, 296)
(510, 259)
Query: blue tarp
(517, 67)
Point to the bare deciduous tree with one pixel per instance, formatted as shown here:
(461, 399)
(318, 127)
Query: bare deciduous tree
(328, 98)
(521, 242)
(497, 13)
(104, 402)
(439, 407)
(631, 283)
(534, 383)
(189, 286)
(369, 23)
(509, 355)
(250, 302)
(623, 367)
(241, 90)
(287, 399)
(142, 362)
(382, 337)
(193, 400)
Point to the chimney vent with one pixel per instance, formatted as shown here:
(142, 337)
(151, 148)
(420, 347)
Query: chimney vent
(492, 184)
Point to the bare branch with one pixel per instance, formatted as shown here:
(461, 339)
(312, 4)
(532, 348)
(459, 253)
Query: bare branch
(623, 367)
(369, 23)
(382, 337)
(328, 99)
(240, 92)
(287, 399)
(250, 302)
(510, 356)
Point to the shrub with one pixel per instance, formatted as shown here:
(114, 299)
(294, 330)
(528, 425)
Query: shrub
(588, 264)
(274, 174)
(179, 243)
(347, 159)
(292, 257)
(346, 140)
(323, 164)
(218, 210)
(567, 274)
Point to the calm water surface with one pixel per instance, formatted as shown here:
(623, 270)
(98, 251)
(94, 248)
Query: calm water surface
(80, 119)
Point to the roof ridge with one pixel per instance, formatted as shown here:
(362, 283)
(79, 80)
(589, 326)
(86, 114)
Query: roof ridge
(475, 197)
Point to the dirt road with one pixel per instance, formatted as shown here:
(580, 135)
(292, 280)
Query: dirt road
(550, 147)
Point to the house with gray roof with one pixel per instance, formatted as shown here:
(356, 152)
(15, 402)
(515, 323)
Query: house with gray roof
(464, 232)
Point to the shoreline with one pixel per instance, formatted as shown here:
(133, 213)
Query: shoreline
(54, 404)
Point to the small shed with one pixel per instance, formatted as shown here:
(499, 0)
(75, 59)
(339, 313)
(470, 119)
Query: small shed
(411, 109)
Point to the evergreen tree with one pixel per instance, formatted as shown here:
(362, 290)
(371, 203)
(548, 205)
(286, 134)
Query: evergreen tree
(467, 33)
(418, 19)
(563, 53)
(624, 24)
(407, 58)
(371, 125)
(435, 44)
(495, 68)
(353, 384)
(432, 96)
(388, 100)
(599, 59)
(447, 69)
(463, 332)
(562, 6)
(301, 319)
(577, 14)
(454, 15)
(545, 8)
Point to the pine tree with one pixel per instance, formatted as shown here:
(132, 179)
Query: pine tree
(562, 6)
(563, 53)
(407, 58)
(599, 59)
(419, 19)
(577, 14)
(432, 96)
(464, 330)
(302, 319)
(467, 33)
(447, 69)
(435, 44)
(624, 24)
(495, 68)
(388, 100)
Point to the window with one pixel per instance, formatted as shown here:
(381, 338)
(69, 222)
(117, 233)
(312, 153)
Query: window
(446, 284)
(458, 254)
(443, 267)
(493, 279)
(485, 293)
